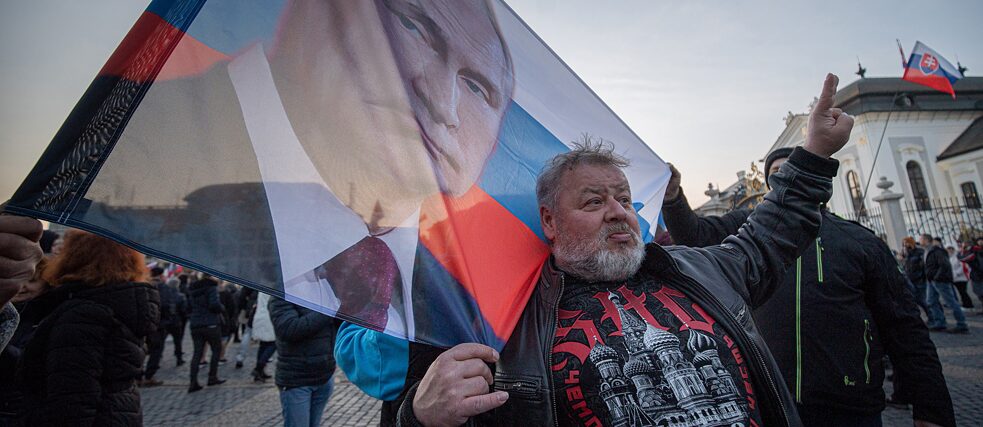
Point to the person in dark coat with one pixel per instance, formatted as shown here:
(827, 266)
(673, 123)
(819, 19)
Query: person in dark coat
(178, 316)
(173, 307)
(843, 305)
(206, 327)
(305, 366)
(33, 304)
(972, 255)
(184, 283)
(81, 366)
(155, 341)
(227, 295)
(938, 275)
(914, 268)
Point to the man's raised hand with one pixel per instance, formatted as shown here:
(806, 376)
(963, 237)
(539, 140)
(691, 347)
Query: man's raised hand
(456, 387)
(829, 127)
(672, 189)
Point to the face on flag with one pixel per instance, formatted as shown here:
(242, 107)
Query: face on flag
(427, 81)
(373, 160)
(458, 79)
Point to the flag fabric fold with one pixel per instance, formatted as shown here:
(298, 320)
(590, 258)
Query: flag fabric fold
(374, 161)
(928, 68)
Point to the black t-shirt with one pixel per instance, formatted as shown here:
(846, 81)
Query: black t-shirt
(642, 354)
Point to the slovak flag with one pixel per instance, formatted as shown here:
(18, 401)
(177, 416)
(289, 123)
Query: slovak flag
(928, 68)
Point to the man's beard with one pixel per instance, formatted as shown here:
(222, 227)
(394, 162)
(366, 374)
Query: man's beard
(591, 260)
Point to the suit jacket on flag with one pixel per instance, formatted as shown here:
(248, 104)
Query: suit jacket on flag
(234, 203)
(255, 141)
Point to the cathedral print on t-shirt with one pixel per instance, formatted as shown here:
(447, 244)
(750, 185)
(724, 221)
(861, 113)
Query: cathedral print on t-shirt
(631, 358)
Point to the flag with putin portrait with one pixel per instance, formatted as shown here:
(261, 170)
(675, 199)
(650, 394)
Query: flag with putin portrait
(372, 160)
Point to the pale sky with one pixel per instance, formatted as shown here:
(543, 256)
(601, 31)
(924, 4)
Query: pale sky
(705, 83)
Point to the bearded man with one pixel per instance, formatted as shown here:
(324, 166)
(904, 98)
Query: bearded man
(620, 333)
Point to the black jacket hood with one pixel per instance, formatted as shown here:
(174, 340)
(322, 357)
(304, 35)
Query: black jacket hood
(134, 304)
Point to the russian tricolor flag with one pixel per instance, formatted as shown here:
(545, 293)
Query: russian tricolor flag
(256, 140)
(926, 67)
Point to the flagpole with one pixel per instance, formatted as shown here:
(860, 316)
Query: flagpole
(904, 59)
(894, 99)
(877, 153)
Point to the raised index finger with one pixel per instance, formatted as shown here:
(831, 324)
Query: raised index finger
(826, 97)
(473, 351)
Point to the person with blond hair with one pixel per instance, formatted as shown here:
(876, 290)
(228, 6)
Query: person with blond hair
(82, 364)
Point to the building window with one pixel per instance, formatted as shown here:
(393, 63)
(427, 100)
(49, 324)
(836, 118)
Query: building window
(970, 194)
(855, 193)
(918, 189)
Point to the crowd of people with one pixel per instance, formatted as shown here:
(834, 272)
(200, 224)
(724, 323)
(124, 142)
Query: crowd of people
(780, 315)
(936, 272)
(94, 318)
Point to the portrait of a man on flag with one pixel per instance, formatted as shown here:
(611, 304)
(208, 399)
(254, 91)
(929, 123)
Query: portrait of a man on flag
(370, 160)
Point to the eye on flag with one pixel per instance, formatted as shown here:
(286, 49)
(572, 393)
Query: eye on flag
(928, 68)
(372, 160)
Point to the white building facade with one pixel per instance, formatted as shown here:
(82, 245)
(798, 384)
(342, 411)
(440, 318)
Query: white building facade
(932, 149)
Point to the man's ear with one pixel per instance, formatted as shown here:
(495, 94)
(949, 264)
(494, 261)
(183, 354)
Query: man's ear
(548, 222)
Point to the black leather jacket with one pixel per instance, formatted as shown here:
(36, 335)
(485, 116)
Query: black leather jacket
(937, 266)
(847, 290)
(725, 280)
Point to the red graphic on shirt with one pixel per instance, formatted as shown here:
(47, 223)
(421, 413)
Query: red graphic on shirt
(643, 371)
(668, 297)
(576, 348)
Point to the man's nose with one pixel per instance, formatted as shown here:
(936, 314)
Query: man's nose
(615, 211)
(439, 91)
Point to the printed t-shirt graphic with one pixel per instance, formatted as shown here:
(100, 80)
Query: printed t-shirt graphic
(627, 357)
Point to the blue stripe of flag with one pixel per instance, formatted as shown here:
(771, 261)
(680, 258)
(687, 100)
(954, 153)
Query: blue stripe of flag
(524, 146)
(228, 26)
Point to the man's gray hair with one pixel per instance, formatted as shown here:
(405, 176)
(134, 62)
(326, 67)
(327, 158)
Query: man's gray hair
(588, 151)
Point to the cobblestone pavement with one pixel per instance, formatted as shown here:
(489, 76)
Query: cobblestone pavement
(962, 364)
(242, 402)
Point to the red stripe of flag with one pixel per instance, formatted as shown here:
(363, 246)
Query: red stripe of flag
(139, 55)
(488, 250)
(934, 81)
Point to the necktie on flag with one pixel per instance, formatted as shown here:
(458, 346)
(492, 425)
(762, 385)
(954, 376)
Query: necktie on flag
(928, 68)
(260, 141)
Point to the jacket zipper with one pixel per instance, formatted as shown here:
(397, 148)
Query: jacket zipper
(742, 335)
(549, 346)
(867, 349)
(819, 258)
(798, 330)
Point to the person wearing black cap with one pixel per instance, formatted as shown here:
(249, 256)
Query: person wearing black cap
(843, 306)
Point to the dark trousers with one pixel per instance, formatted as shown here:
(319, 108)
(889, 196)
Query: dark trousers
(213, 336)
(963, 295)
(155, 348)
(919, 291)
(264, 353)
(176, 331)
(818, 416)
